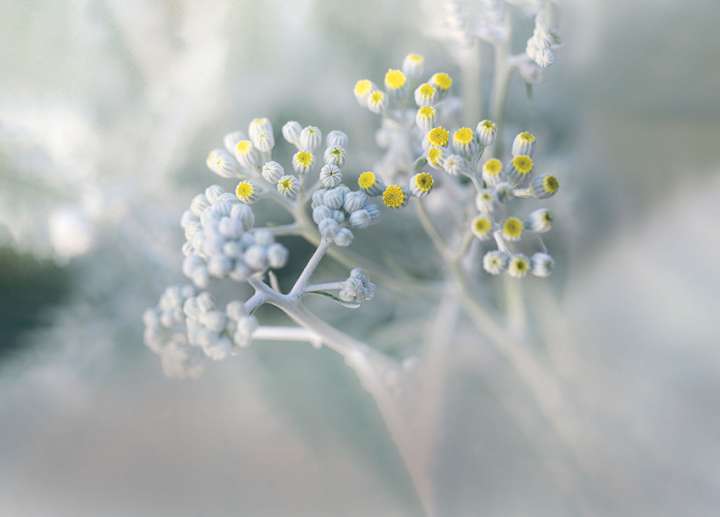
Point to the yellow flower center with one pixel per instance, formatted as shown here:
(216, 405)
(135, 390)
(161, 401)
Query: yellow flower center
(522, 163)
(463, 136)
(304, 158)
(394, 79)
(527, 137)
(243, 147)
(488, 124)
(363, 87)
(426, 90)
(244, 190)
(481, 225)
(286, 183)
(434, 156)
(415, 58)
(427, 112)
(492, 167)
(424, 181)
(376, 97)
(438, 136)
(513, 228)
(442, 80)
(367, 180)
(551, 184)
(394, 197)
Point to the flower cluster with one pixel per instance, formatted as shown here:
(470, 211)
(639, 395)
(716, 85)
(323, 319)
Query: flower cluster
(544, 40)
(221, 241)
(357, 288)
(497, 186)
(185, 326)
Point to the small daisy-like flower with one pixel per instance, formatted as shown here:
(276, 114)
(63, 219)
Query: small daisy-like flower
(486, 132)
(394, 196)
(310, 138)
(539, 221)
(455, 164)
(485, 200)
(463, 140)
(363, 89)
(395, 79)
(245, 192)
(302, 161)
(413, 65)
(330, 175)
(512, 229)
(492, 171)
(369, 182)
(438, 136)
(425, 94)
(376, 101)
(495, 262)
(421, 184)
(518, 266)
(335, 155)
(246, 154)
(521, 167)
(541, 265)
(222, 163)
(425, 117)
(442, 81)
(288, 186)
(434, 156)
(481, 226)
(524, 143)
(545, 186)
(272, 172)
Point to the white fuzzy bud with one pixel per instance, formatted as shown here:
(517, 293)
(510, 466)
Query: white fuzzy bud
(291, 132)
(337, 138)
(277, 255)
(310, 138)
(542, 265)
(330, 175)
(272, 172)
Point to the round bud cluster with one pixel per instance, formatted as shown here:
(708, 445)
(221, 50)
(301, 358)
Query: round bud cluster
(221, 241)
(357, 288)
(335, 210)
(165, 334)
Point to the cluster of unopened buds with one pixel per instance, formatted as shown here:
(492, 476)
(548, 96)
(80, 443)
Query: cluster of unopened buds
(223, 241)
(464, 152)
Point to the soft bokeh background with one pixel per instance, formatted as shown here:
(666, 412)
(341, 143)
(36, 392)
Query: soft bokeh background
(107, 110)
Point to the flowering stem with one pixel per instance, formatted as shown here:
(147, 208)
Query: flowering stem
(310, 268)
(327, 286)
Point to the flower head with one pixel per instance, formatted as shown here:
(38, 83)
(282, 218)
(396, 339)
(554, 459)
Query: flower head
(421, 184)
(245, 192)
(394, 79)
(481, 226)
(512, 229)
(438, 136)
(394, 196)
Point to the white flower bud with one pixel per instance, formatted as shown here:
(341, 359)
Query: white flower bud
(335, 155)
(328, 228)
(241, 272)
(256, 257)
(317, 198)
(495, 262)
(336, 138)
(425, 95)
(344, 237)
(272, 172)
(244, 214)
(455, 164)
(198, 204)
(222, 163)
(231, 140)
(518, 266)
(244, 331)
(310, 138)
(277, 255)
(291, 132)
(524, 143)
(235, 310)
(539, 221)
(486, 130)
(485, 200)
(355, 201)
(321, 213)
(542, 265)
(219, 266)
(360, 219)
(205, 302)
(545, 186)
(213, 193)
(214, 320)
(334, 198)
(261, 134)
(413, 65)
(247, 154)
(330, 175)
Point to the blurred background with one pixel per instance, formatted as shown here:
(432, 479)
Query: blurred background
(107, 111)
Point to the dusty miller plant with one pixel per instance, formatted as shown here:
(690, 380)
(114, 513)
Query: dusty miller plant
(477, 204)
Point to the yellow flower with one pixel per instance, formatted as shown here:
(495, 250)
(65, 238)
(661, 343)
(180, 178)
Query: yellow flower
(421, 183)
(519, 266)
(363, 88)
(481, 226)
(442, 81)
(245, 192)
(394, 196)
(492, 168)
(512, 229)
(551, 184)
(367, 180)
(438, 136)
(394, 79)
(243, 147)
(434, 156)
(302, 161)
(522, 164)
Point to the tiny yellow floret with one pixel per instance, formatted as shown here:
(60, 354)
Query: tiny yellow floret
(394, 79)
(394, 196)
(512, 228)
(304, 158)
(463, 136)
(243, 147)
(523, 164)
(550, 184)
(434, 156)
(363, 87)
(415, 58)
(492, 167)
(367, 180)
(481, 226)
(438, 136)
(442, 80)
(245, 191)
(527, 137)
(423, 181)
